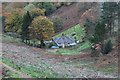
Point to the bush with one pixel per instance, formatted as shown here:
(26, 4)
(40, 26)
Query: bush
(95, 53)
(51, 44)
(57, 23)
(68, 3)
(108, 47)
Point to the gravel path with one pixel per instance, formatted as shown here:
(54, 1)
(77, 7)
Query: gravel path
(25, 56)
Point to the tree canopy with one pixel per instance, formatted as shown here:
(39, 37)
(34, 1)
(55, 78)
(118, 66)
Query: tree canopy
(57, 23)
(37, 12)
(14, 20)
(100, 32)
(26, 23)
(42, 28)
(29, 7)
(48, 6)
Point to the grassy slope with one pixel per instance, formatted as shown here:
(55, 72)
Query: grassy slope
(11, 74)
(77, 29)
(35, 72)
(76, 50)
(31, 71)
(10, 39)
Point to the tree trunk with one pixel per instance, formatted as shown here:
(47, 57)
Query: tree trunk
(42, 44)
(34, 41)
(110, 30)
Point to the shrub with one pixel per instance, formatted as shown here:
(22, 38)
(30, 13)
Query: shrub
(57, 23)
(68, 3)
(108, 47)
(51, 44)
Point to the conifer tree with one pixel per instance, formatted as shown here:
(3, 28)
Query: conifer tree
(100, 32)
(89, 27)
(25, 27)
(108, 47)
(110, 14)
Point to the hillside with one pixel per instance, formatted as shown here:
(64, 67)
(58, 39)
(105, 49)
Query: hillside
(71, 16)
(31, 46)
(36, 63)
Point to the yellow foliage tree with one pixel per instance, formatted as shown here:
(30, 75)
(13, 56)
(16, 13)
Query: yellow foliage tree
(14, 20)
(41, 28)
(37, 12)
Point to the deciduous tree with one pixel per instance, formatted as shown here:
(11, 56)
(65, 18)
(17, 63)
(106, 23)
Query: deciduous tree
(14, 20)
(42, 28)
(29, 7)
(37, 12)
(57, 23)
(48, 6)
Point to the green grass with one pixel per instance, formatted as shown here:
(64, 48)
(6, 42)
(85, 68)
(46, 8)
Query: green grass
(77, 29)
(109, 68)
(84, 46)
(10, 39)
(12, 74)
(32, 71)
(73, 51)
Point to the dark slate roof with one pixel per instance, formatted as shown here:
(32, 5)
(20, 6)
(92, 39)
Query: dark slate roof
(64, 39)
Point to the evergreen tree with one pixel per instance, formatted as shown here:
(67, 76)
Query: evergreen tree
(108, 47)
(100, 32)
(110, 14)
(24, 29)
(89, 27)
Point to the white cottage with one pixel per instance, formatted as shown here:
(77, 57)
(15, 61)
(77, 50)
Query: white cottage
(63, 41)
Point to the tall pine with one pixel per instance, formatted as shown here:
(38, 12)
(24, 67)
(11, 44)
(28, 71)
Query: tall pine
(100, 33)
(110, 14)
(25, 27)
(89, 28)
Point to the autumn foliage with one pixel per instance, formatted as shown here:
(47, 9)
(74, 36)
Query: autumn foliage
(14, 20)
(42, 28)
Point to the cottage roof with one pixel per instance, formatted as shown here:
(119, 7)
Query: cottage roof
(64, 39)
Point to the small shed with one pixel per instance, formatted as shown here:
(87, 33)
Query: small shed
(63, 41)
